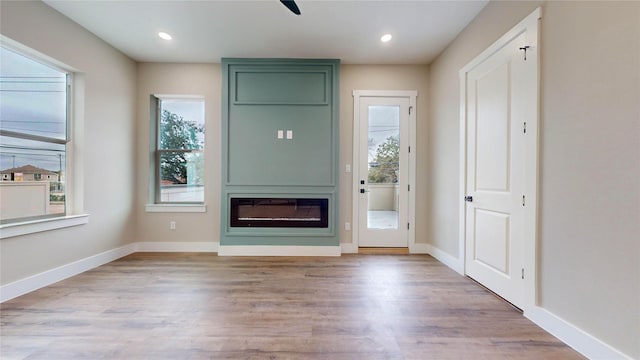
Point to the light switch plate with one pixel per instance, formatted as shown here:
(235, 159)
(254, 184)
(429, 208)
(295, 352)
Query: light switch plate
(289, 134)
(280, 134)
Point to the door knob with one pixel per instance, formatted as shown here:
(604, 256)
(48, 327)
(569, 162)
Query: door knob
(468, 198)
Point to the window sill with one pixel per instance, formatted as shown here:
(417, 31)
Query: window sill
(176, 208)
(36, 226)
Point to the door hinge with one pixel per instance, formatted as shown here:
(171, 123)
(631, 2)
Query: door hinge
(522, 273)
(408, 187)
(409, 149)
(525, 48)
(410, 108)
(524, 127)
(523, 200)
(407, 226)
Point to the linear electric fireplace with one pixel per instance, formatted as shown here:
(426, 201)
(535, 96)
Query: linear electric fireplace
(279, 212)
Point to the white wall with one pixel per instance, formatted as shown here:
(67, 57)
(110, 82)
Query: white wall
(589, 210)
(24, 198)
(205, 79)
(180, 79)
(383, 77)
(106, 152)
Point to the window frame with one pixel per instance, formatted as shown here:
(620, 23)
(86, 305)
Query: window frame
(33, 56)
(157, 205)
(74, 214)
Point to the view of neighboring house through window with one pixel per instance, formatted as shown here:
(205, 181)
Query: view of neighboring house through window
(180, 150)
(33, 137)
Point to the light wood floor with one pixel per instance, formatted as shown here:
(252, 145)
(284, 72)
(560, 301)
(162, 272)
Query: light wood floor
(200, 306)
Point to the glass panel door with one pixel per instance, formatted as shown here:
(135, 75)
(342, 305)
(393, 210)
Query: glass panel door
(383, 148)
(382, 170)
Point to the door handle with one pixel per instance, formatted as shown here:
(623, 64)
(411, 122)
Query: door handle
(468, 198)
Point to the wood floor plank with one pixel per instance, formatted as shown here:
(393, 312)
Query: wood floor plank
(200, 306)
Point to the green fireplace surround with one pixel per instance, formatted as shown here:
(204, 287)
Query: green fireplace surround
(279, 140)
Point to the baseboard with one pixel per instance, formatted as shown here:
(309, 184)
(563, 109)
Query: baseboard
(419, 249)
(35, 282)
(176, 246)
(257, 250)
(444, 257)
(578, 339)
(348, 248)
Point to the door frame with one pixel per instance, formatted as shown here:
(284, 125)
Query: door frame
(411, 95)
(530, 25)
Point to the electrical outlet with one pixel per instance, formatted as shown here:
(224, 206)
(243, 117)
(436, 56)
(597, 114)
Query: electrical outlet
(172, 225)
(347, 226)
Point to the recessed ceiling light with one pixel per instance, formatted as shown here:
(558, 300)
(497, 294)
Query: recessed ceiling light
(386, 38)
(164, 35)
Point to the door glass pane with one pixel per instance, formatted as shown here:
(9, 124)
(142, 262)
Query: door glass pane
(383, 157)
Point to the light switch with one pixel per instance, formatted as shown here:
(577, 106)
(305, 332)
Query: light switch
(280, 134)
(289, 134)
(347, 168)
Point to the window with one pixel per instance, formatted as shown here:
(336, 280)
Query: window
(179, 153)
(34, 117)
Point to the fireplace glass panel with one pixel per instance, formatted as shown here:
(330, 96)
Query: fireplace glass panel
(279, 212)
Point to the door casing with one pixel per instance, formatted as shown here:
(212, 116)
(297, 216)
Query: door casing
(530, 26)
(411, 95)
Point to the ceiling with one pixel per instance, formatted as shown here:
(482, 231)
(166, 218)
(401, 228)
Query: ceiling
(205, 31)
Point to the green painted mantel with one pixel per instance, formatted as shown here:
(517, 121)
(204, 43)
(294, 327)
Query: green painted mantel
(298, 100)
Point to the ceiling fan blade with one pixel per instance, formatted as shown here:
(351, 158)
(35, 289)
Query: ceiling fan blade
(291, 5)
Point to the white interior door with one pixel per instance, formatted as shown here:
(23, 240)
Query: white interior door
(498, 90)
(383, 171)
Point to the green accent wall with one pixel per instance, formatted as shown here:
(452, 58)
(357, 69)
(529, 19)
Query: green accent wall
(260, 98)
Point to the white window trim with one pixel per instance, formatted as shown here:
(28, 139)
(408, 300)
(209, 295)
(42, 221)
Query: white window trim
(40, 225)
(175, 208)
(178, 97)
(152, 206)
(74, 186)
